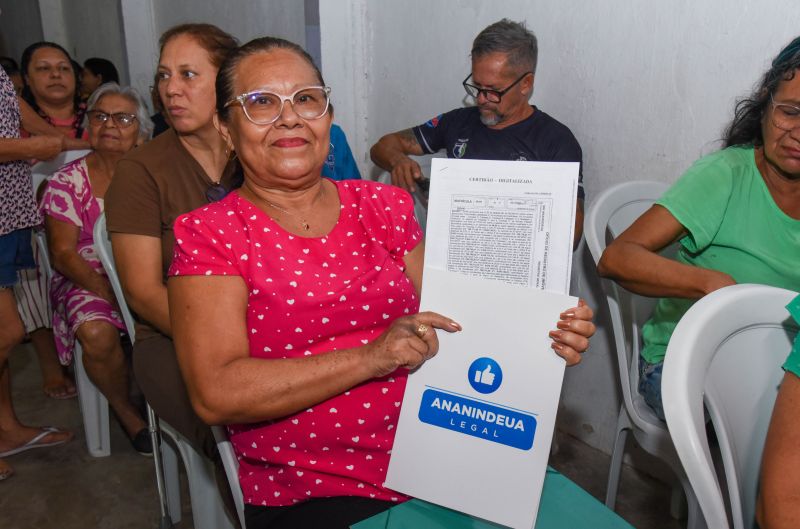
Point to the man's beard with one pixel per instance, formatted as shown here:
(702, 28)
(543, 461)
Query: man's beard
(490, 117)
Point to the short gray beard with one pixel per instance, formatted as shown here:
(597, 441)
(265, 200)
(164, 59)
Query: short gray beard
(492, 120)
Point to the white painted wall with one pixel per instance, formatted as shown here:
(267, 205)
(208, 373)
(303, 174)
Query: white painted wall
(646, 87)
(145, 20)
(243, 19)
(94, 29)
(141, 43)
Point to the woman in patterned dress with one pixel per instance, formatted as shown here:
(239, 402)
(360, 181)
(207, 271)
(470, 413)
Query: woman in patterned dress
(294, 303)
(17, 216)
(83, 301)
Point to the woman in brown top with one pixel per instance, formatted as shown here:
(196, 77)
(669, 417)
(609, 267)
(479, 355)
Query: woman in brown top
(180, 170)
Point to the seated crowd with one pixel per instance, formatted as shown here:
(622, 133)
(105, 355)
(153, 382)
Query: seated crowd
(271, 285)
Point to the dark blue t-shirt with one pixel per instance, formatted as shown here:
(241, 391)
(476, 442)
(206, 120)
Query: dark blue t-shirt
(538, 138)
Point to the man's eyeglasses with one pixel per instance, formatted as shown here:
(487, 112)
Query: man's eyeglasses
(263, 108)
(216, 192)
(492, 96)
(785, 116)
(122, 120)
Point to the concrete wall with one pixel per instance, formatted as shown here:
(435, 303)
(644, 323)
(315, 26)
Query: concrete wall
(646, 87)
(20, 25)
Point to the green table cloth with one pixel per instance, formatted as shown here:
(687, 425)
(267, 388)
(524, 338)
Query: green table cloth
(564, 505)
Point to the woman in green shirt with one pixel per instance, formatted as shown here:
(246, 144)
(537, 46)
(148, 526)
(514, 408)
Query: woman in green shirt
(735, 215)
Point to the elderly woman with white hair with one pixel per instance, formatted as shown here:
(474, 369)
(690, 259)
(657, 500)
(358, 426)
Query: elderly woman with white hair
(83, 302)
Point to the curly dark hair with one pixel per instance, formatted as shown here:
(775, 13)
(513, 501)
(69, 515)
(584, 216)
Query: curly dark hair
(745, 129)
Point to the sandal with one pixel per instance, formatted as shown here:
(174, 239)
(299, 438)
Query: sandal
(38, 441)
(64, 391)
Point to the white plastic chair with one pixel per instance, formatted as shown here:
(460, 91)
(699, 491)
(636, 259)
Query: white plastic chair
(93, 404)
(208, 510)
(609, 215)
(727, 350)
(231, 465)
(49, 167)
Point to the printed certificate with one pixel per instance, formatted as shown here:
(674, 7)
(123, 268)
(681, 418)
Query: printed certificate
(510, 221)
(477, 420)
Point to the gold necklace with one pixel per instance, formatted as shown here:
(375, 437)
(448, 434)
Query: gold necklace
(303, 222)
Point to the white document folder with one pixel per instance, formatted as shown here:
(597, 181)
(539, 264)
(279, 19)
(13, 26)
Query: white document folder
(477, 420)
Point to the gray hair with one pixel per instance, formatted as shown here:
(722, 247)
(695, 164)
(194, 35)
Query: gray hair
(511, 38)
(142, 113)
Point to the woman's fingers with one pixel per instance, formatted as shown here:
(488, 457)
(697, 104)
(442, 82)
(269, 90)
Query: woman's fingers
(582, 327)
(419, 342)
(574, 330)
(581, 312)
(569, 354)
(424, 325)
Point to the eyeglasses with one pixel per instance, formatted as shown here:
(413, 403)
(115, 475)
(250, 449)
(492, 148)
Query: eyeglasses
(785, 116)
(216, 192)
(262, 107)
(493, 96)
(121, 119)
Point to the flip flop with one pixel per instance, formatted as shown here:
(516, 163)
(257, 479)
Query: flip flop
(55, 392)
(35, 442)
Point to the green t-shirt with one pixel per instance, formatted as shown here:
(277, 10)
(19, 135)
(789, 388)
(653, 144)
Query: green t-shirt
(793, 362)
(733, 225)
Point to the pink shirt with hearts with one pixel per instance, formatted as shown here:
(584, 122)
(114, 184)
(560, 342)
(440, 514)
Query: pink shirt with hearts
(309, 296)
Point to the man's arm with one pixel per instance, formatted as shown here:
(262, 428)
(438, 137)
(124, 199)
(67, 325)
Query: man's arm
(391, 153)
(578, 224)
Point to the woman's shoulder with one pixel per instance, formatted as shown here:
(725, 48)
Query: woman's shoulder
(382, 207)
(155, 152)
(223, 221)
(221, 212)
(730, 159)
(74, 172)
(725, 168)
(365, 190)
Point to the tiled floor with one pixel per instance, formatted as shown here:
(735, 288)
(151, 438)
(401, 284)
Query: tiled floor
(64, 488)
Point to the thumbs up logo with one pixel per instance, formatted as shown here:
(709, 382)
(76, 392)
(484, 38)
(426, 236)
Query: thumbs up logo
(485, 375)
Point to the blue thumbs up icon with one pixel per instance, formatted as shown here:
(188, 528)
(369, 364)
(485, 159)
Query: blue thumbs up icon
(485, 375)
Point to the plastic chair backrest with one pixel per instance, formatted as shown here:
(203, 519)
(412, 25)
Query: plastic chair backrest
(231, 465)
(610, 214)
(41, 171)
(103, 246)
(727, 350)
